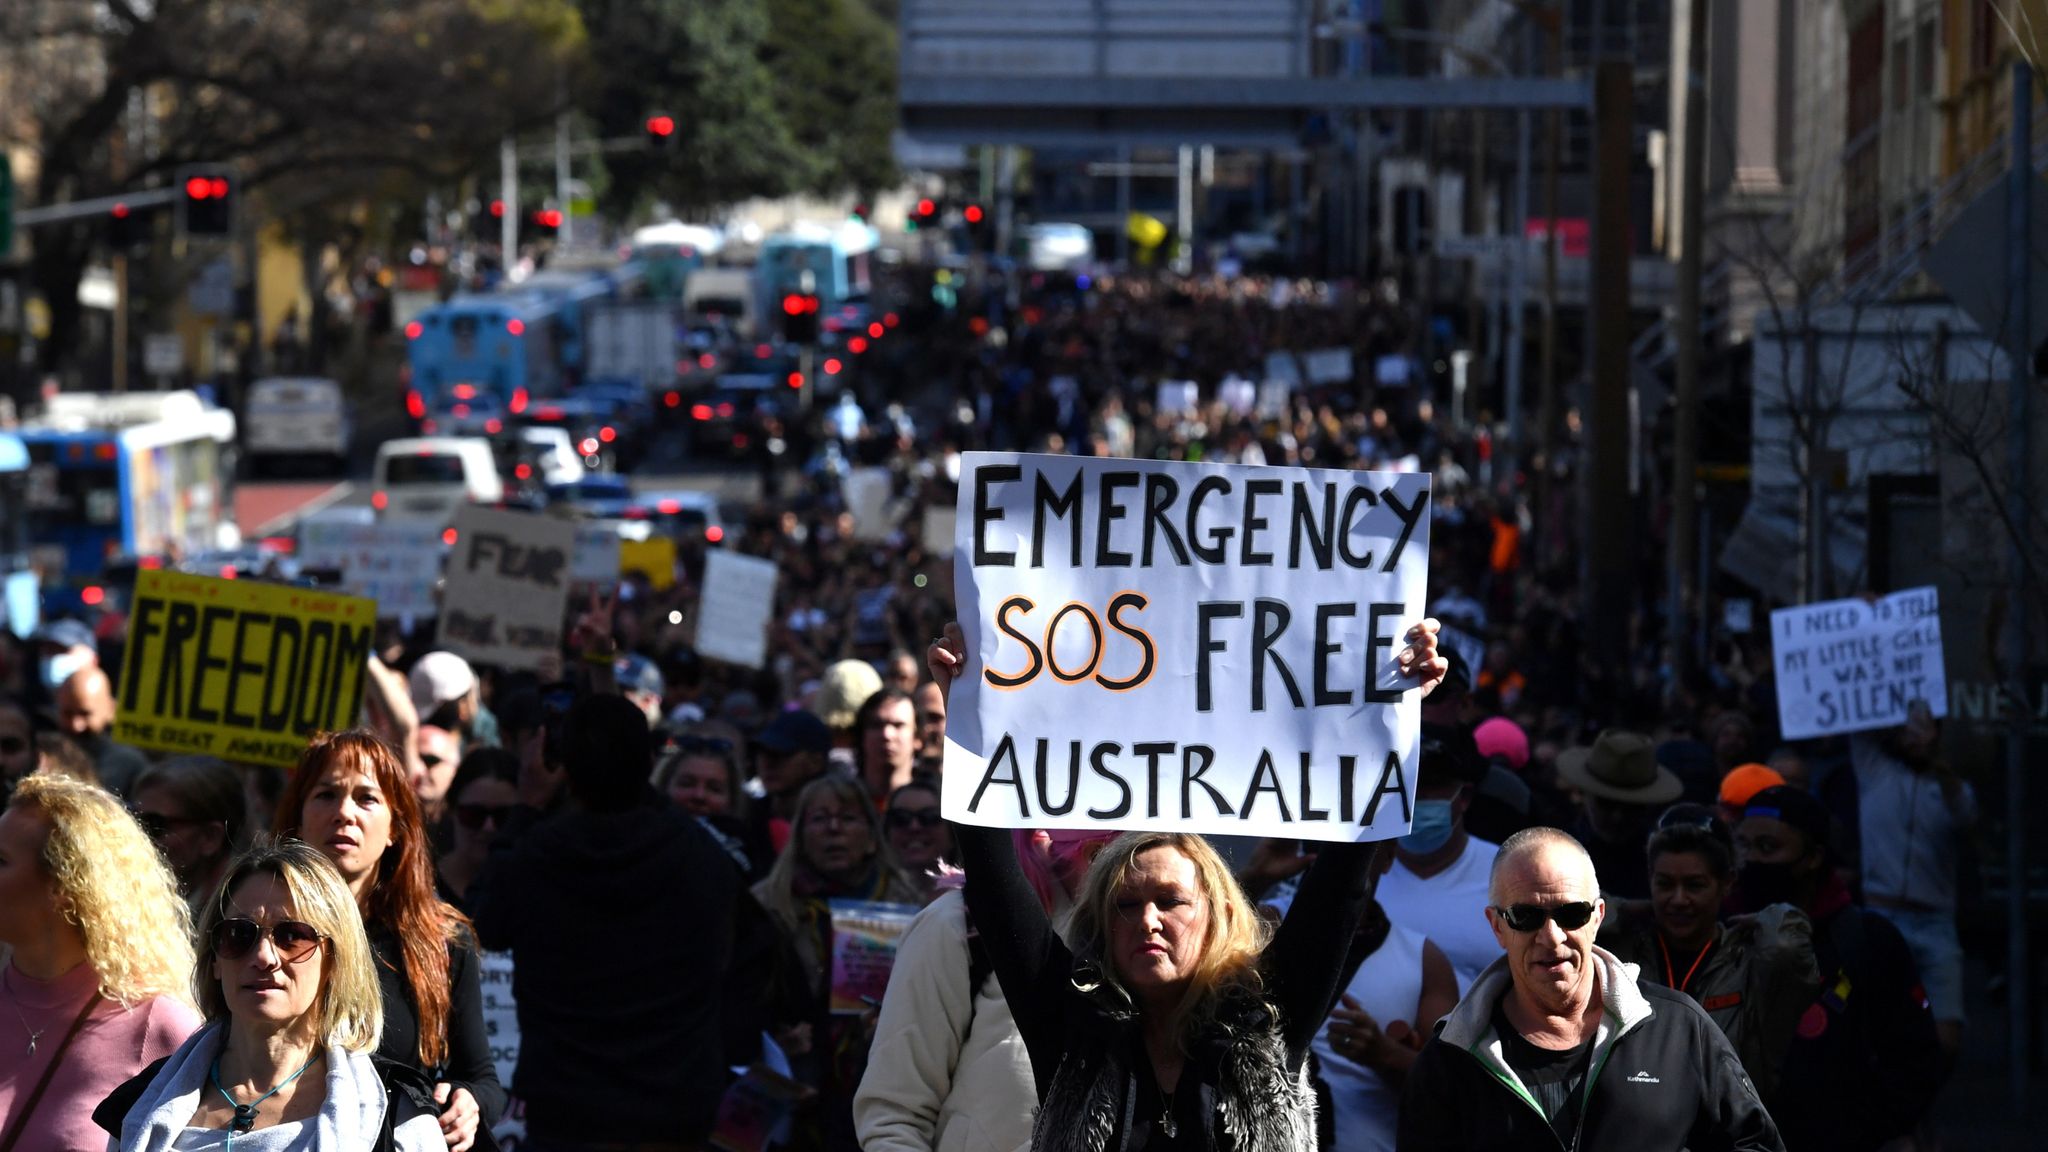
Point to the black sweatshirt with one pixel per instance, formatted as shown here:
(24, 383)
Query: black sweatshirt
(1301, 967)
(469, 1048)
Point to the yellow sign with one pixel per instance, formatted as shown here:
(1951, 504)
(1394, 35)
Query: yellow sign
(240, 670)
(654, 557)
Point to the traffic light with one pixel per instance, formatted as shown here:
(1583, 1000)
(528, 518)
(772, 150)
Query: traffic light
(980, 236)
(546, 221)
(800, 318)
(128, 227)
(923, 214)
(208, 201)
(661, 130)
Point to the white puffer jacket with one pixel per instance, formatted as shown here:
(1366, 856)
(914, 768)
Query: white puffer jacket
(947, 1071)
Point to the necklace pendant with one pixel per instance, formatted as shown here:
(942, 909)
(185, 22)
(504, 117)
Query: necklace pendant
(32, 1044)
(1167, 1126)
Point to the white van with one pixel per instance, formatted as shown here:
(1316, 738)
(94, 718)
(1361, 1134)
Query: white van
(302, 418)
(432, 477)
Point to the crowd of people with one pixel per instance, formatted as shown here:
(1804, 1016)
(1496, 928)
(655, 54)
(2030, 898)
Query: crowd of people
(1625, 915)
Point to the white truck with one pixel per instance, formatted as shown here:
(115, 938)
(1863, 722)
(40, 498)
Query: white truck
(634, 340)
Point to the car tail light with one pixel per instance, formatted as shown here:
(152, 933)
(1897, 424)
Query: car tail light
(518, 401)
(714, 534)
(700, 411)
(415, 406)
(379, 500)
(673, 399)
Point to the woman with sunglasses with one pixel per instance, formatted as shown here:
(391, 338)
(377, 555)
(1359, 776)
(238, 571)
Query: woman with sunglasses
(917, 832)
(292, 1016)
(196, 809)
(484, 794)
(96, 985)
(351, 799)
(1754, 974)
(836, 852)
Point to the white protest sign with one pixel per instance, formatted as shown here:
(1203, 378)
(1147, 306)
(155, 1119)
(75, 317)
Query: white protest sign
(1282, 366)
(596, 559)
(1328, 365)
(508, 579)
(1178, 397)
(1853, 666)
(1237, 394)
(1199, 647)
(1274, 396)
(939, 524)
(1738, 616)
(733, 612)
(501, 1029)
(867, 497)
(394, 562)
(1391, 371)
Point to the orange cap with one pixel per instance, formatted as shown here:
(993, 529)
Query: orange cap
(1746, 780)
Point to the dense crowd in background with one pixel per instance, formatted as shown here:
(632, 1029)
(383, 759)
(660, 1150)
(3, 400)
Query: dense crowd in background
(1806, 895)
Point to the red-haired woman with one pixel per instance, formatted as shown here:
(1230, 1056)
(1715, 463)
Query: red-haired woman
(350, 798)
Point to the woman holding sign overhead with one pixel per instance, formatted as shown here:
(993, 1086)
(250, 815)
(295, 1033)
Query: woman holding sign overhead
(350, 798)
(1176, 1021)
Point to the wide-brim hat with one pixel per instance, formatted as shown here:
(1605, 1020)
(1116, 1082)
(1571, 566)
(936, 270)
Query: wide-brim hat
(1620, 766)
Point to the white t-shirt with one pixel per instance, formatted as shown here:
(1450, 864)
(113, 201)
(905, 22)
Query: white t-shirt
(1449, 908)
(1388, 986)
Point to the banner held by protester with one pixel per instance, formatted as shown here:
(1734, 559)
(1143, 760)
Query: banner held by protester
(394, 562)
(1855, 666)
(508, 580)
(732, 617)
(1197, 647)
(239, 669)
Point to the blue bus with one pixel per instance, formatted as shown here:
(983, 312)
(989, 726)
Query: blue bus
(836, 259)
(20, 610)
(476, 360)
(141, 476)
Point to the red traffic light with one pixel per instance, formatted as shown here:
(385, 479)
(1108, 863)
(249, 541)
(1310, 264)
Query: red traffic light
(972, 214)
(926, 208)
(120, 211)
(206, 188)
(661, 125)
(797, 304)
(498, 208)
(548, 217)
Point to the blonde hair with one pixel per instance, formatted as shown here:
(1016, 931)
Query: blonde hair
(777, 892)
(1231, 942)
(112, 884)
(351, 1004)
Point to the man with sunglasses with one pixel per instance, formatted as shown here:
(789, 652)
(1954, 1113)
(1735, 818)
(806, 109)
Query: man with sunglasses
(1558, 1045)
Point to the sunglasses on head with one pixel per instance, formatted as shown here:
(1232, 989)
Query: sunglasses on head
(695, 745)
(905, 817)
(1529, 917)
(472, 816)
(236, 937)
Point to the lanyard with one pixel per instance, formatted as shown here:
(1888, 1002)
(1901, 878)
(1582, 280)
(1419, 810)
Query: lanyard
(1670, 976)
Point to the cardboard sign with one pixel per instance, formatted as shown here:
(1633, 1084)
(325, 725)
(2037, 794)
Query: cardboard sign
(1199, 647)
(394, 562)
(654, 558)
(864, 938)
(508, 580)
(501, 1029)
(1853, 666)
(238, 669)
(1328, 365)
(867, 497)
(597, 558)
(733, 614)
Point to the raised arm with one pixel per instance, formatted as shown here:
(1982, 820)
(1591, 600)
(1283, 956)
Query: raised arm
(1304, 964)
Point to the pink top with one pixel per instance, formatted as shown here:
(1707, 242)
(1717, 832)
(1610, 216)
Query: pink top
(114, 1045)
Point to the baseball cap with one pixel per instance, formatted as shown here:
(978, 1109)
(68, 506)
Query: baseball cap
(846, 686)
(1448, 757)
(1746, 780)
(438, 678)
(1794, 806)
(1504, 738)
(637, 673)
(795, 731)
(65, 633)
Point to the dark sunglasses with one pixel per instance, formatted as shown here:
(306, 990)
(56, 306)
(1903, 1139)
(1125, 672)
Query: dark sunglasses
(905, 817)
(1530, 917)
(432, 760)
(235, 938)
(156, 825)
(472, 816)
(12, 746)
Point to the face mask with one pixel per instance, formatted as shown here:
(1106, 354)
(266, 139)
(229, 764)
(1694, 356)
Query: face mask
(1767, 882)
(1432, 827)
(57, 669)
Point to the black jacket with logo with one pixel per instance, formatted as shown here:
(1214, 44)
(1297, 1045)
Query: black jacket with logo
(1661, 1077)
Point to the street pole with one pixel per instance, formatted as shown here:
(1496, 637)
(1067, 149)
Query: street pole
(564, 235)
(2019, 250)
(1184, 212)
(1548, 530)
(1518, 292)
(1685, 440)
(1609, 513)
(120, 350)
(508, 195)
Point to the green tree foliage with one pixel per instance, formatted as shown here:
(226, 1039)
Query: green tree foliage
(834, 63)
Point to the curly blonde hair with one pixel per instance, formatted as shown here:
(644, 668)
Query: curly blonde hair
(1231, 942)
(111, 883)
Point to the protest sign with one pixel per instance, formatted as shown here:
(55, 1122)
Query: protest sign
(597, 558)
(508, 580)
(732, 616)
(755, 1110)
(238, 669)
(654, 558)
(1274, 396)
(864, 938)
(1853, 666)
(1328, 365)
(1282, 366)
(1198, 647)
(867, 497)
(501, 1030)
(394, 562)
(939, 524)
(1178, 397)
(1391, 371)
(1237, 394)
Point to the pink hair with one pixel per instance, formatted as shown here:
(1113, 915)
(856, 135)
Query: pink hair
(1045, 855)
